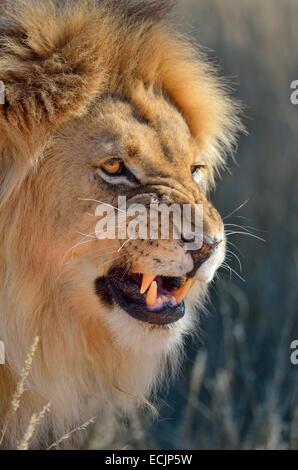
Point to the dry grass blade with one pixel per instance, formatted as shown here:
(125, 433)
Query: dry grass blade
(16, 399)
(35, 419)
(67, 436)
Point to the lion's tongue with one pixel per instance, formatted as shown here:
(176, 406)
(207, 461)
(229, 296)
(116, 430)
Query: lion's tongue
(157, 301)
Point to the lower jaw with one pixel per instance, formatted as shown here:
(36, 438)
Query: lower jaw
(110, 291)
(139, 311)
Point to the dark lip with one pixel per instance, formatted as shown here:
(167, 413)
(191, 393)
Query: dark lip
(119, 287)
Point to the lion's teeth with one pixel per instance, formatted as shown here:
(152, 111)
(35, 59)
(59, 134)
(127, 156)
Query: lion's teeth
(152, 294)
(146, 281)
(182, 292)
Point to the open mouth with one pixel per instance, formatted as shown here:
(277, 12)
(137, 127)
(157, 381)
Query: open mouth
(158, 300)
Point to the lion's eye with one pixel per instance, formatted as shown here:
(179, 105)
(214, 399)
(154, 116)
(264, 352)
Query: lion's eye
(197, 168)
(113, 167)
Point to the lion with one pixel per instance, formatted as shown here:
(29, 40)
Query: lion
(102, 99)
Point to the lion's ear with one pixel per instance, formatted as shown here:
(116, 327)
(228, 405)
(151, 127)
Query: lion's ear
(50, 64)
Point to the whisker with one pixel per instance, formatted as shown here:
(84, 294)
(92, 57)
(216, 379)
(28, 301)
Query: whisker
(225, 266)
(113, 259)
(80, 243)
(237, 258)
(255, 229)
(102, 253)
(236, 210)
(245, 227)
(83, 241)
(126, 241)
(239, 217)
(237, 274)
(236, 247)
(87, 235)
(247, 234)
(125, 272)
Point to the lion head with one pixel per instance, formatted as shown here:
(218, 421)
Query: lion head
(103, 99)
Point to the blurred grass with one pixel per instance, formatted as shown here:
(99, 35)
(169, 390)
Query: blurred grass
(238, 388)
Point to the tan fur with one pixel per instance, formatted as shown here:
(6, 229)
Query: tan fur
(82, 78)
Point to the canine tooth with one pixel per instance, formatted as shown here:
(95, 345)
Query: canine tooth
(146, 282)
(182, 292)
(152, 294)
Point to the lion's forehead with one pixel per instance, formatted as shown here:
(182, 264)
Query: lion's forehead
(146, 133)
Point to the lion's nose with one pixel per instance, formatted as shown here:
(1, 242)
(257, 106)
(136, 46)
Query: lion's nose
(201, 255)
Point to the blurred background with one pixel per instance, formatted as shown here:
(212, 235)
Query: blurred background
(238, 388)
